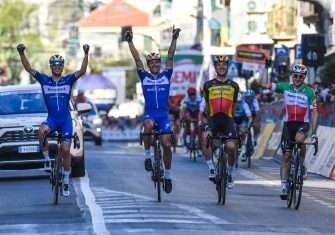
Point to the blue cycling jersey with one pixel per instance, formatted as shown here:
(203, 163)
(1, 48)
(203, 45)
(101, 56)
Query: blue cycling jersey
(56, 94)
(253, 106)
(192, 105)
(155, 89)
(243, 110)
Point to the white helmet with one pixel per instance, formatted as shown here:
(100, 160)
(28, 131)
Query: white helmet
(299, 68)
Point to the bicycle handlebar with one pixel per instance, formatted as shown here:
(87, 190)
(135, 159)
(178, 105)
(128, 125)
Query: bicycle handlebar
(155, 133)
(316, 145)
(60, 136)
(223, 138)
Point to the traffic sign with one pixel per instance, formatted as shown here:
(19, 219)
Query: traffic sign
(313, 49)
(298, 51)
(280, 50)
(232, 70)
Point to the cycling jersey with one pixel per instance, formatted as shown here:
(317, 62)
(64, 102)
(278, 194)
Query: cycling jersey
(253, 106)
(241, 114)
(155, 89)
(192, 105)
(56, 94)
(297, 102)
(221, 96)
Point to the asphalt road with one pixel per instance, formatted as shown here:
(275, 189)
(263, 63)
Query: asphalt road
(117, 196)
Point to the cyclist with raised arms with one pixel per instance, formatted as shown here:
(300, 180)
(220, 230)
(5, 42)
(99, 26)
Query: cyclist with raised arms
(57, 93)
(243, 120)
(299, 99)
(221, 97)
(156, 86)
(190, 112)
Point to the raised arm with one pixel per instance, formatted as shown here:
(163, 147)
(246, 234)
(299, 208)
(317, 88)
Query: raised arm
(134, 52)
(84, 64)
(265, 75)
(172, 48)
(20, 48)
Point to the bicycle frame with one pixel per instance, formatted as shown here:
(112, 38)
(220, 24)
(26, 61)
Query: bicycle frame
(56, 175)
(157, 172)
(295, 179)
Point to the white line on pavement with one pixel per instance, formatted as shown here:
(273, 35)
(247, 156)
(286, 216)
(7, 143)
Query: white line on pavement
(98, 221)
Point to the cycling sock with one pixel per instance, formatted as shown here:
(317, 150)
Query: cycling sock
(230, 170)
(46, 155)
(147, 153)
(210, 164)
(66, 177)
(167, 174)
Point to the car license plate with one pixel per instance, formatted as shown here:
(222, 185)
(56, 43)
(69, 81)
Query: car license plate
(29, 149)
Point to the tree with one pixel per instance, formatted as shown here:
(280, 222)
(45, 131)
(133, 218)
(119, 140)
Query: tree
(18, 24)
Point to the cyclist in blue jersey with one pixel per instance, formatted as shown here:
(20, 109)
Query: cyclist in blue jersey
(243, 120)
(56, 92)
(250, 99)
(156, 86)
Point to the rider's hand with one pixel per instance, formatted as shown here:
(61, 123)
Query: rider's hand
(129, 35)
(86, 48)
(268, 62)
(20, 48)
(314, 135)
(175, 33)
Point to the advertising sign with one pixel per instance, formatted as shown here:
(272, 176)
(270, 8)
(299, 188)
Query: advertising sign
(251, 54)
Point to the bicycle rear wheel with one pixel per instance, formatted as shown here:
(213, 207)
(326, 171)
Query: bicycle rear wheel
(56, 177)
(298, 183)
(250, 148)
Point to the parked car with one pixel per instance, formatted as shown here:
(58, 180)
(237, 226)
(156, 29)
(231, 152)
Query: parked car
(92, 123)
(22, 110)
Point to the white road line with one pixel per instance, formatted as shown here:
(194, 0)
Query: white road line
(98, 221)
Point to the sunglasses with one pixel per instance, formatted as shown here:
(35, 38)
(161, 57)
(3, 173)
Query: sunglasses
(301, 76)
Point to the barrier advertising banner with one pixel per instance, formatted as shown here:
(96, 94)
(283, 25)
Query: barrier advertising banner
(186, 69)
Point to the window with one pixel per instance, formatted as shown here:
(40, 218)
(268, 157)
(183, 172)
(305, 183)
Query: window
(252, 26)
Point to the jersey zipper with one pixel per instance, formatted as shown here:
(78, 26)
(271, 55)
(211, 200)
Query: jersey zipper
(156, 93)
(57, 95)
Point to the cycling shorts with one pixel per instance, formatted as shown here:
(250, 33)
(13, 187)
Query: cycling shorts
(223, 124)
(176, 115)
(290, 130)
(159, 116)
(65, 124)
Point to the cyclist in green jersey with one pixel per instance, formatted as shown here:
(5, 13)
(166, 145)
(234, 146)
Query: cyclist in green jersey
(299, 99)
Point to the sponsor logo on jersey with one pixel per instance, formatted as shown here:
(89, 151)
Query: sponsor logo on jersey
(56, 89)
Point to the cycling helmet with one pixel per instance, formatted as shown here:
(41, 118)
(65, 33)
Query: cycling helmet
(250, 94)
(220, 58)
(239, 97)
(56, 60)
(191, 91)
(153, 56)
(299, 68)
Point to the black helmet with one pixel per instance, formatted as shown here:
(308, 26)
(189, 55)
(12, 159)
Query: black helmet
(220, 58)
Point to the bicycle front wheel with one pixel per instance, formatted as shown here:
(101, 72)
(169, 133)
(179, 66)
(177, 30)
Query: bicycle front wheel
(298, 183)
(157, 174)
(290, 186)
(57, 177)
(224, 179)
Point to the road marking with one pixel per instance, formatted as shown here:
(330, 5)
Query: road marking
(98, 221)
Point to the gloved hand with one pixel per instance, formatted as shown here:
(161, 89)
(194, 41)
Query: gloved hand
(175, 32)
(86, 48)
(268, 62)
(314, 135)
(20, 48)
(129, 36)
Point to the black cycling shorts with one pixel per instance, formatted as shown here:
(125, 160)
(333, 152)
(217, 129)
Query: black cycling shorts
(223, 124)
(290, 130)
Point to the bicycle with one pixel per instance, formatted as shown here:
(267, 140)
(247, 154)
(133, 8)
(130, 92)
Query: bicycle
(157, 170)
(221, 176)
(56, 175)
(249, 147)
(295, 180)
(193, 145)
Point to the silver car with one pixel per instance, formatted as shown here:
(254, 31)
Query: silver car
(22, 110)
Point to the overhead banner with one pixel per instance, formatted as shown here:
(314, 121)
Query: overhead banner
(251, 54)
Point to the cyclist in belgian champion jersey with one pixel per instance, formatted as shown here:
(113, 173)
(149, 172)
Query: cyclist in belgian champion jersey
(221, 96)
(156, 86)
(56, 92)
(299, 99)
